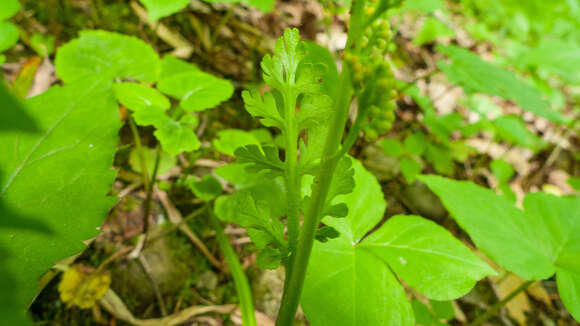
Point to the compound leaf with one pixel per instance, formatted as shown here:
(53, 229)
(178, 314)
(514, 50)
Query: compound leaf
(260, 158)
(107, 54)
(263, 107)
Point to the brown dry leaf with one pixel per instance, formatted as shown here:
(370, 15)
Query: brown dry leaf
(82, 286)
(538, 292)
(520, 304)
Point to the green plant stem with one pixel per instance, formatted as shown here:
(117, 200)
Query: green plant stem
(240, 280)
(295, 280)
(292, 177)
(495, 308)
(140, 152)
(147, 204)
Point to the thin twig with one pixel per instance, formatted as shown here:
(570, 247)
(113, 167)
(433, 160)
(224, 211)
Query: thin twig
(498, 305)
(156, 289)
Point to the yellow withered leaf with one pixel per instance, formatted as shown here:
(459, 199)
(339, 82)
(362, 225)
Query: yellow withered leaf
(82, 286)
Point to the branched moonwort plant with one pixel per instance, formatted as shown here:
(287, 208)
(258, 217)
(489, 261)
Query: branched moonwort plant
(323, 194)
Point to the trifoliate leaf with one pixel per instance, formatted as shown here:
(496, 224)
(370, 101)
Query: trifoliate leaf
(352, 271)
(207, 188)
(260, 158)
(171, 65)
(197, 90)
(269, 258)
(8, 8)
(58, 178)
(107, 54)
(229, 140)
(263, 107)
(9, 35)
(162, 8)
(478, 76)
(137, 97)
(175, 137)
(83, 286)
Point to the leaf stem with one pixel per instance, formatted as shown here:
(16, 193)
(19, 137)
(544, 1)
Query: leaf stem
(295, 282)
(240, 280)
(147, 205)
(140, 152)
(495, 308)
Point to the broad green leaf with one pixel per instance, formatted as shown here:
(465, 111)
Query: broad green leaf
(502, 170)
(392, 147)
(498, 228)
(197, 90)
(8, 8)
(443, 309)
(162, 8)
(207, 188)
(58, 177)
(176, 137)
(569, 289)
(171, 65)
(137, 97)
(349, 279)
(151, 116)
(42, 45)
(259, 158)
(411, 245)
(423, 315)
(431, 30)
(478, 76)
(107, 54)
(557, 57)
(410, 168)
(9, 35)
(14, 115)
(513, 130)
(229, 140)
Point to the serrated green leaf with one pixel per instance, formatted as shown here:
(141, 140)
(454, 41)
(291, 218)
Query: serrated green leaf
(207, 188)
(108, 54)
(256, 216)
(162, 8)
(137, 97)
(8, 8)
(280, 70)
(263, 107)
(269, 258)
(478, 76)
(259, 158)
(229, 140)
(58, 177)
(196, 90)
(9, 35)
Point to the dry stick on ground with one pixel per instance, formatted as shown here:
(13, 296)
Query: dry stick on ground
(176, 218)
(115, 306)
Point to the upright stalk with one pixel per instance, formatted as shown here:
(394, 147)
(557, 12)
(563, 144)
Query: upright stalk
(299, 263)
(240, 280)
(495, 308)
